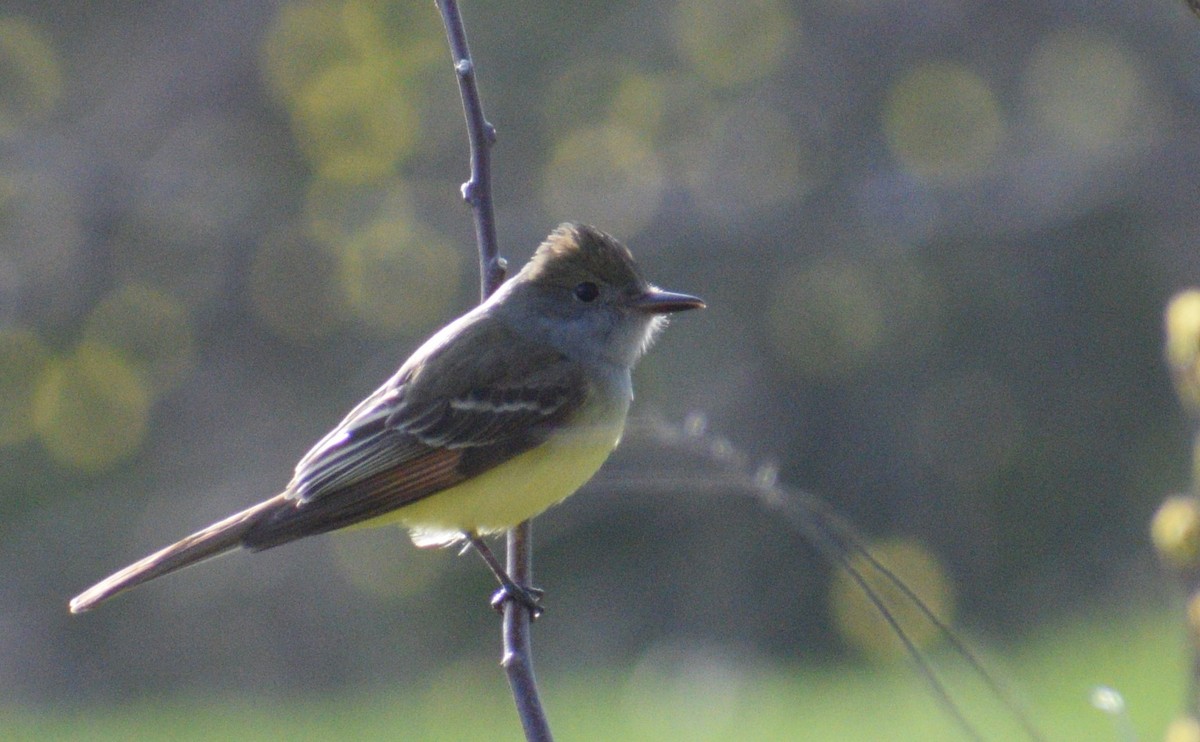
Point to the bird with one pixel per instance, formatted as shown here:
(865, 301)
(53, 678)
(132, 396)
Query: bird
(504, 412)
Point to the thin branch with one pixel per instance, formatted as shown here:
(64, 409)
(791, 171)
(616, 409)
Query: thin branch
(518, 656)
(837, 540)
(477, 191)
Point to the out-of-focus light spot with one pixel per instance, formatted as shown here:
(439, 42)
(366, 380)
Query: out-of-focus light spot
(355, 122)
(605, 174)
(307, 38)
(1175, 533)
(836, 316)
(695, 425)
(751, 159)
(149, 329)
(23, 362)
(733, 42)
(1185, 728)
(382, 562)
(91, 409)
(335, 211)
(1087, 91)
(943, 122)
(1109, 700)
(655, 105)
(637, 102)
(826, 319)
(766, 476)
(1181, 324)
(965, 427)
(403, 41)
(410, 25)
(294, 287)
(399, 277)
(362, 25)
(859, 621)
(30, 75)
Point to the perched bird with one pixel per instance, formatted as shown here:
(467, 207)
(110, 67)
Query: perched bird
(506, 411)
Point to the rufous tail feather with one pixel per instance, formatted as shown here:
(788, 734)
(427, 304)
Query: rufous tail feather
(216, 539)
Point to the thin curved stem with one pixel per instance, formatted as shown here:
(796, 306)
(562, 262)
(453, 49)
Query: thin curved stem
(477, 192)
(836, 539)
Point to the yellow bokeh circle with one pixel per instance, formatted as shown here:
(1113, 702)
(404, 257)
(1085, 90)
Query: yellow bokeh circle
(1087, 91)
(377, 562)
(859, 621)
(733, 42)
(399, 277)
(23, 362)
(91, 408)
(605, 174)
(306, 38)
(1184, 728)
(1181, 325)
(33, 82)
(354, 122)
(1175, 532)
(827, 318)
(943, 122)
(150, 330)
(597, 89)
(335, 211)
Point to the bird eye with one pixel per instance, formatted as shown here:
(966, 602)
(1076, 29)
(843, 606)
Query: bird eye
(587, 291)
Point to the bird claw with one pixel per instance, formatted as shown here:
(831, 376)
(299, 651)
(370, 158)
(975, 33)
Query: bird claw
(529, 597)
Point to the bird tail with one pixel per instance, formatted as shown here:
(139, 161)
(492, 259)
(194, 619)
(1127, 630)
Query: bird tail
(216, 539)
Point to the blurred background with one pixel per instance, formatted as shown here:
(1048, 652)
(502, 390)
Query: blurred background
(935, 237)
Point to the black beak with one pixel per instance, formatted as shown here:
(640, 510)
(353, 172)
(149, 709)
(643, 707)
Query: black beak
(657, 301)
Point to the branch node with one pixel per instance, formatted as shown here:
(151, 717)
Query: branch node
(518, 654)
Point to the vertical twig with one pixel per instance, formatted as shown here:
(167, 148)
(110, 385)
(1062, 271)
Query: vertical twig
(477, 191)
(518, 652)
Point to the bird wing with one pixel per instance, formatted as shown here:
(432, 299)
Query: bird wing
(446, 416)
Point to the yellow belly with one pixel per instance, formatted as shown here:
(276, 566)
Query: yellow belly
(514, 491)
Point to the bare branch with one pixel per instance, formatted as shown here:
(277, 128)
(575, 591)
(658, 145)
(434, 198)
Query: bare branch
(837, 540)
(477, 191)
(518, 654)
